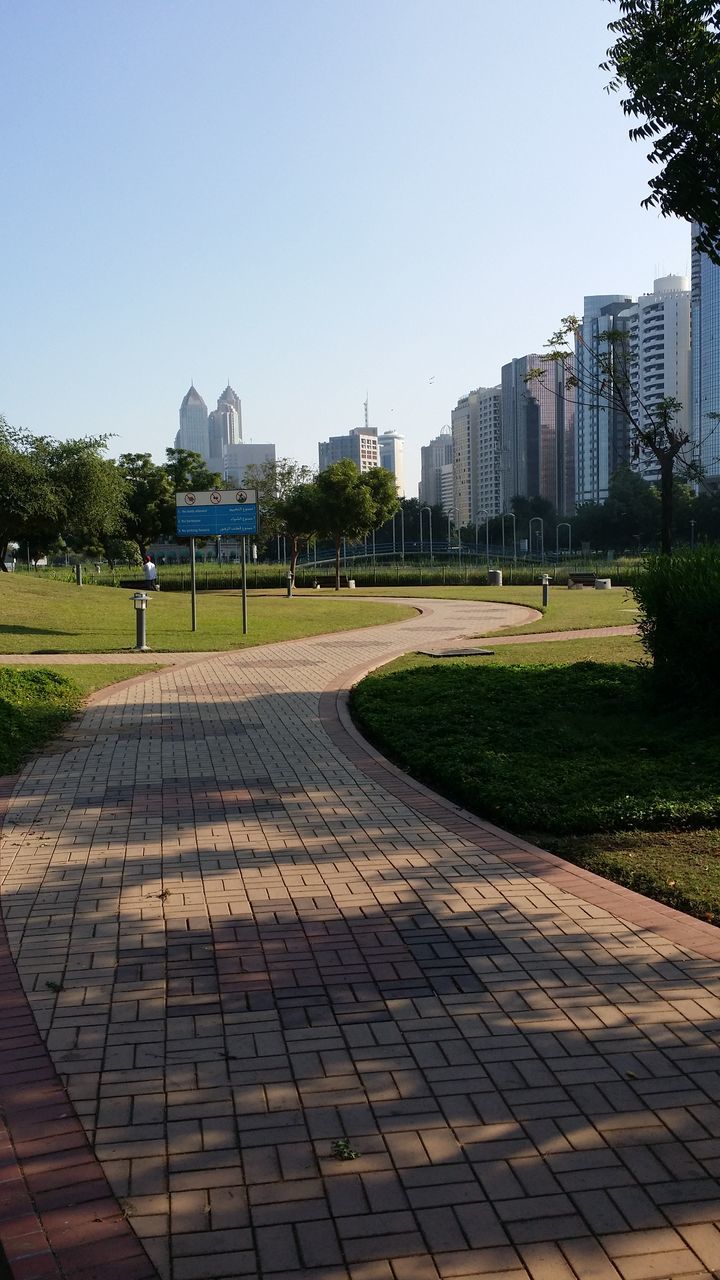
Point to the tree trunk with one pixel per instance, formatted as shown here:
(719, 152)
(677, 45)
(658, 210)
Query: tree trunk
(667, 465)
(337, 563)
(3, 553)
(294, 552)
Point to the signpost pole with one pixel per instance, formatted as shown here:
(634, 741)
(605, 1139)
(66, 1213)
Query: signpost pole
(193, 592)
(244, 585)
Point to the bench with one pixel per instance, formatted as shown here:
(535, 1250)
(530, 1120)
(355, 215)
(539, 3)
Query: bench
(328, 580)
(581, 579)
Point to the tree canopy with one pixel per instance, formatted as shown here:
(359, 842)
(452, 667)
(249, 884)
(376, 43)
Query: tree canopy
(57, 493)
(666, 58)
(351, 504)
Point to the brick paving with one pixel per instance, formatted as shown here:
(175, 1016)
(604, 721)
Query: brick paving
(245, 937)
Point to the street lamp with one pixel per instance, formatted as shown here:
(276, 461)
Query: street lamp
(449, 527)
(564, 524)
(429, 511)
(542, 536)
(510, 515)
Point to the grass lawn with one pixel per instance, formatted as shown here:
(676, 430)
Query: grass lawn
(43, 616)
(567, 611)
(35, 702)
(573, 754)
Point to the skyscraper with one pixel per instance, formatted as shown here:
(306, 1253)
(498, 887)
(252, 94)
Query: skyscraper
(659, 348)
(476, 433)
(391, 451)
(436, 472)
(360, 444)
(224, 427)
(602, 429)
(193, 433)
(538, 425)
(705, 338)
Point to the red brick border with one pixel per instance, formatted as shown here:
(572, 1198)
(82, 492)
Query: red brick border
(682, 929)
(58, 1217)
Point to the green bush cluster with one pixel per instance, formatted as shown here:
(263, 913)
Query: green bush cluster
(679, 600)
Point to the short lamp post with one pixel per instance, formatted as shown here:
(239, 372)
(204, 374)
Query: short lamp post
(429, 511)
(140, 600)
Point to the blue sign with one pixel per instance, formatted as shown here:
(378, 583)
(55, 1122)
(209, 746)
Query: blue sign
(219, 513)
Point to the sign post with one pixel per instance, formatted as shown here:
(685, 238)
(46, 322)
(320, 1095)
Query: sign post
(244, 585)
(193, 588)
(214, 514)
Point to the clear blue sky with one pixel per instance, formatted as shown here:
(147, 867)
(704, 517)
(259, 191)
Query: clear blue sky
(312, 198)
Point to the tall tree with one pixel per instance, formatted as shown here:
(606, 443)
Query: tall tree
(666, 56)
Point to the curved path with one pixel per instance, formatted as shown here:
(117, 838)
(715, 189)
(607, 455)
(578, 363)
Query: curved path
(245, 937)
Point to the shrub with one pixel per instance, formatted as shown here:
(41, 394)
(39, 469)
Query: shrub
(679, 600)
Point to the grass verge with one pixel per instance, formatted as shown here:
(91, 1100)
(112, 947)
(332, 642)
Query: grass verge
(567, 610)
(35, 703)
(43, 616)
(575, 756)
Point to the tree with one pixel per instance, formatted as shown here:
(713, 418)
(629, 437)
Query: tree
(53, 490)
(187, 471)
(666, 55)
(350, 504)
(297, 513)
(605, 376)
(274, 481)
(25, 490)
(150, 499)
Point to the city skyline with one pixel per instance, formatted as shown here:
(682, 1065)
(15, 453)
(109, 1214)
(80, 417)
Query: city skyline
(353, 249)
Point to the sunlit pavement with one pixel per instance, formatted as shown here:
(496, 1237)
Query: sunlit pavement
(317, 1022)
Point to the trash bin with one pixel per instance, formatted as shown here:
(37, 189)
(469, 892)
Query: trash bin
(351, 584)
(603, 584)
(494, 577)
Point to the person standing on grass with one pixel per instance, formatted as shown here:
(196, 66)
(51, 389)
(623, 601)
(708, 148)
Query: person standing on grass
(150, 571)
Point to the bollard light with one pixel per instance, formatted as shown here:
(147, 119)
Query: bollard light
(545, 589)
(140, 601)
(289, 585)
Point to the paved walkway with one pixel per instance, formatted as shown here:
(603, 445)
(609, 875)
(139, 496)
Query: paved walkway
(245, 938)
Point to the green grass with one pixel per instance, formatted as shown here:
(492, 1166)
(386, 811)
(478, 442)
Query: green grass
(567, 610)
(44, 616)
(575, 756)
(35, 703)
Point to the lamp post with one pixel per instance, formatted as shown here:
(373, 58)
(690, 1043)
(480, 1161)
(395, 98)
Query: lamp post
(449, 520)
(429, 529)
(542, 536)
(510, 515)
(564, 524)
(692, 535)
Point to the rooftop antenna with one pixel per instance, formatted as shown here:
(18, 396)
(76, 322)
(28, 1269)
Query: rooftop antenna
(366, 412)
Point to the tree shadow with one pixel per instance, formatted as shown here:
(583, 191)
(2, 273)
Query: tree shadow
(11, 629)
(510, 1065)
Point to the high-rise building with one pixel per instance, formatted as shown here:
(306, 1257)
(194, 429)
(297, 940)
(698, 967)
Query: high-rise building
(242, 454)
(476, 433)
(224, 427)
(391, 451)
(705, 338)
(193, 433)
(602, 428)
(360, 444)
(538, 423)
(436, 473)
(658, 326)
